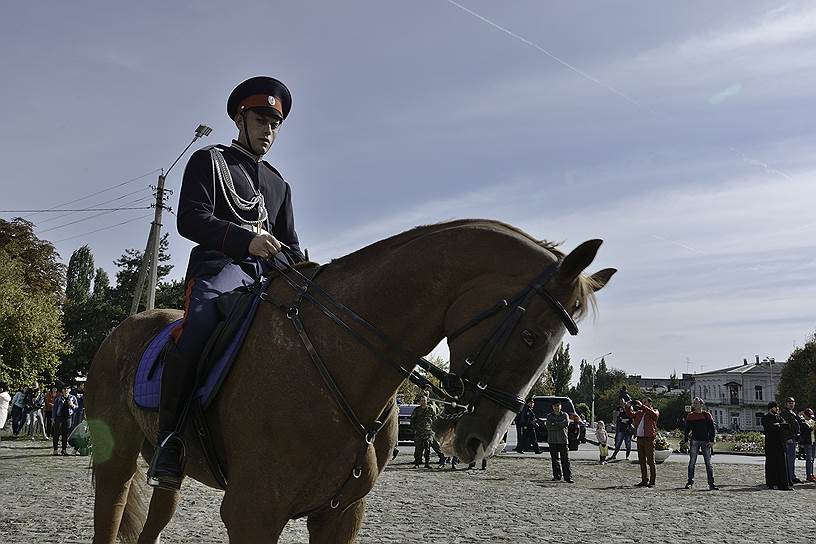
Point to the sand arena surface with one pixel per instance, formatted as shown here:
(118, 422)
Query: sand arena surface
(48, 499)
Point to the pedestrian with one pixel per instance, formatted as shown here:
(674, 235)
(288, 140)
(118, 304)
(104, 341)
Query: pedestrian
(519, 432)
(807, 438)
(529, 424)
(557, 423)
(17, 411)
(776, 472)
(791, 435)
(237, 208)
(700, 426)
(421, 419)
(34, 407)
(623, 396)
(48, 410)
(623, 432)
(644, 418)
(64, 409)
(79, 414)
(5, 401)
(602, 436)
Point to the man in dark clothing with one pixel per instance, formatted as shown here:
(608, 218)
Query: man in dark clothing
(623, 432)
(64, 408)
(776, 472)
(557, 423)
(700, 426)
(238, 209)
(528, 422)
(791, 435)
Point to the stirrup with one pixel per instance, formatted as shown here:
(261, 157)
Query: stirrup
(166, 470)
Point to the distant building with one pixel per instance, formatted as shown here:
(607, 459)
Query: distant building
(738, 396)
(662, 385)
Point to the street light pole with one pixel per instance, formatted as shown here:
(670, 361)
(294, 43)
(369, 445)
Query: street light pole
(598, 358)
(148, 268)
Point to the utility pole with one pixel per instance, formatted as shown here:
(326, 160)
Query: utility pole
(148, 269)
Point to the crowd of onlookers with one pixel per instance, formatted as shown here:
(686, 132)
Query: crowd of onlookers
(786, 432)
(52, 414)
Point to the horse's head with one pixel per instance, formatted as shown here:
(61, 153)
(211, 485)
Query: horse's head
(498, 351)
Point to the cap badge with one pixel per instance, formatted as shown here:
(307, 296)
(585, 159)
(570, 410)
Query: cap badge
(271, 100)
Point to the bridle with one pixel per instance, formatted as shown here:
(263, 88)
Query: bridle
(459, 394)
(474, 382)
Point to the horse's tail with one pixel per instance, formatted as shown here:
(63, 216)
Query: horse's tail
(134, 514)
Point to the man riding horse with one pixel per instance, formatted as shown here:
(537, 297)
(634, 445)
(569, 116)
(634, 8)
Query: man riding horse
(238, 209)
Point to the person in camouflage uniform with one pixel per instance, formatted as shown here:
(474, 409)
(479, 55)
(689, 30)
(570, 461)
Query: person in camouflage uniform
(421, 420)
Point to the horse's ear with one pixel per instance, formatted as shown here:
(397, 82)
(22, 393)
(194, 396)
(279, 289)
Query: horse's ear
(600, 278)
(577, 260)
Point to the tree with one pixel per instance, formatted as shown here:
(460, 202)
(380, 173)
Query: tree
(798, 378)
(544, 384)
(583, 409)
(79, 276)
(561, 370)
(672, 410)
(38, 261)
(673, 381)
(101, 286)
(583, 391)
(30, 330)
(607, 401)
(128, 275)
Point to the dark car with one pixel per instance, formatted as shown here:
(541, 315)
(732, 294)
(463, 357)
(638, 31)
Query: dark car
(576, 432)
(406, 432)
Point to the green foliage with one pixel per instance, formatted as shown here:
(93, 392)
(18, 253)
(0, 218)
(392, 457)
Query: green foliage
(583, 409)
(607, 400)
(672, 410)
(128, 274)
(38, 261)
(30, 331)
(560, 369)
(544, 384)
(101, 287)
(583, 391)
(410, 393)
(798, 378)
(89, 319)
(79, 276)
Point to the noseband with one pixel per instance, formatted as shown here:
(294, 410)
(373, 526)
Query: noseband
(474, 382)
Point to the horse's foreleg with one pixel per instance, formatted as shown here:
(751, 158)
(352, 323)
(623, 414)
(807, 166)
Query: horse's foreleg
(336, 527)
(162, 508)
(249, 514)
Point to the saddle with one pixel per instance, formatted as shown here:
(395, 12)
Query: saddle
(237, 309)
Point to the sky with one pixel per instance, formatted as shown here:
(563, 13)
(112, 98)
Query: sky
(679, 133)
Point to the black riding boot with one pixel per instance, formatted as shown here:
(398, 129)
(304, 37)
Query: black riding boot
(178, 379)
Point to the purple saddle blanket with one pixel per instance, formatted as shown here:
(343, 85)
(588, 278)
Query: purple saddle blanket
(147, 385)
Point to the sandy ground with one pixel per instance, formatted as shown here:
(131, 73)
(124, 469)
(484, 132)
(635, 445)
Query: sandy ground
(48, 499)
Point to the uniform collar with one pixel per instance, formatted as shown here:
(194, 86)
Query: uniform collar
(255, 158)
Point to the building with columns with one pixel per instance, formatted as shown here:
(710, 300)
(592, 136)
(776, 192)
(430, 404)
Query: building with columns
(738, 396)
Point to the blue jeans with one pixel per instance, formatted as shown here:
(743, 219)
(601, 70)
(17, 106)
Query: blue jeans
(810, 453)
(695, 448)
(620, 438)
(790, 457)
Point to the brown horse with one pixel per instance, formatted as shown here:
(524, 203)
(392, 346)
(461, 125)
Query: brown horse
(291, 456)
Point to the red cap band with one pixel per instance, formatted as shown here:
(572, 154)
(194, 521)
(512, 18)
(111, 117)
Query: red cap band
(261, 101)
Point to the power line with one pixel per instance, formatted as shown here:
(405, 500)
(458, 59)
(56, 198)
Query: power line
(88, 218)
(103, 228)
(76, 210)
(103, 190)
(97, 204)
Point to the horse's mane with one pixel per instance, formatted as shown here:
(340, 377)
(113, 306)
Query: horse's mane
(586, 296)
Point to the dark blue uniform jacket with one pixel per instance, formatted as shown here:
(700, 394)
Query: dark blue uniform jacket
(204, 215)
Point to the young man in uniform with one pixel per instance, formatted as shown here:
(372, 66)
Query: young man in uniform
(238, 209)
